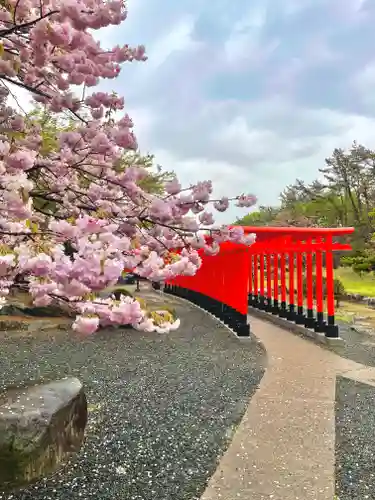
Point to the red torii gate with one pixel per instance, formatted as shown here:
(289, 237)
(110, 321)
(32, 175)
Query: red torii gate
(220, 285)
(282, 273)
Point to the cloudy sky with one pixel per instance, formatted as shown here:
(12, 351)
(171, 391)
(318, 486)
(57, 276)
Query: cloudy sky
(250, 97)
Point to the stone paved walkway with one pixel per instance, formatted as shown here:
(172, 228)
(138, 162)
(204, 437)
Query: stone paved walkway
(284, 448)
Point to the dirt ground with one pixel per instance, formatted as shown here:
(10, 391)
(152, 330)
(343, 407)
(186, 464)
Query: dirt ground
(356, 314)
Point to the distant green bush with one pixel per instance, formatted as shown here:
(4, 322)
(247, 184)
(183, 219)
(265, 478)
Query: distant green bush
(338, 288)
(361, 262)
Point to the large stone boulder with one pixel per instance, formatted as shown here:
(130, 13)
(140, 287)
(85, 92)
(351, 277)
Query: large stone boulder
(41, 425)
(21, 304)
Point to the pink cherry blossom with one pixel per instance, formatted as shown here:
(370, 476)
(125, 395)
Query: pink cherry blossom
(206, 218)
(86, 325)
(7, 262)
(222, 204)
(72, 218)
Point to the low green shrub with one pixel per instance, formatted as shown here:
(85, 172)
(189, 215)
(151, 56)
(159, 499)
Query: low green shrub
(338, 288)
(121, 291)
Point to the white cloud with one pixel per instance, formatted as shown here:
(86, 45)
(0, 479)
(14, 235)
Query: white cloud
(318, 51)
(239, 152)
(245, 44)
(253, 19)
(284, 78)
(364, 84)
(291, 8)
(179, 39)
(144, 120)
(19, 98)
(353, 11)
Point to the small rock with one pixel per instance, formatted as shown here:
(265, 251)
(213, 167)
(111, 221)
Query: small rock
(40, 426)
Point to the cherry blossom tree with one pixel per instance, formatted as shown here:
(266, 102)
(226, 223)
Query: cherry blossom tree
(72, 216)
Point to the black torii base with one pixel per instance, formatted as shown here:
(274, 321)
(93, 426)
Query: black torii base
(232, 318)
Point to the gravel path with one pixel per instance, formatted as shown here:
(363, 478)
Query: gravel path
(359, 346)
(355, 444)
(355, 421)
(162, 407)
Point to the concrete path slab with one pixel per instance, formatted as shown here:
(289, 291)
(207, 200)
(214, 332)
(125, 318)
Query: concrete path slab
(284, 447)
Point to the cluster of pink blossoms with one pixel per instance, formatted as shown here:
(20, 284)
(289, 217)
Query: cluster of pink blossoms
(71, 219)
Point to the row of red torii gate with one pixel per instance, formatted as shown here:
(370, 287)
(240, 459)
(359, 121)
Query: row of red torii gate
(287, 272)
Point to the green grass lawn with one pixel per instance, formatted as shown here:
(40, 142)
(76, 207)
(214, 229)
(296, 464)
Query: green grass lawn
(353, 283)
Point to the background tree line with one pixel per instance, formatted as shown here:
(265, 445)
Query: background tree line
(343, 195)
